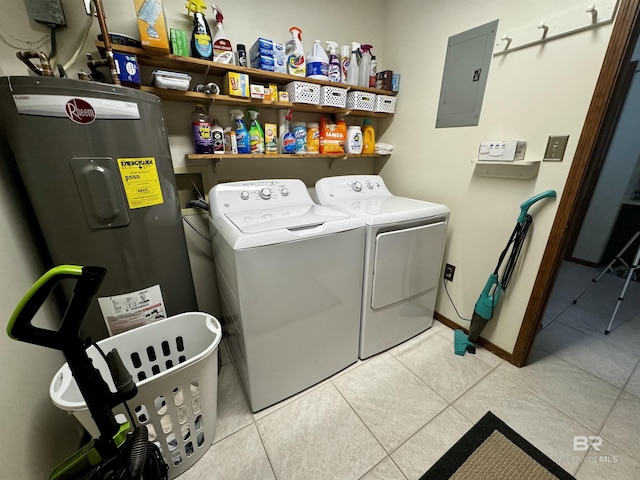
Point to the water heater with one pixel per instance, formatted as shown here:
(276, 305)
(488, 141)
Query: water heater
(95, 162)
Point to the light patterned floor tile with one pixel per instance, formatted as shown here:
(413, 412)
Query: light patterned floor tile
(622, 428)
(319, 436)
(422, 450)
(385, 470)
(233, 409)
(608, 463)
(391, 401)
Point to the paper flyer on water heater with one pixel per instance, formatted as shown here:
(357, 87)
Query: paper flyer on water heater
(130, 310)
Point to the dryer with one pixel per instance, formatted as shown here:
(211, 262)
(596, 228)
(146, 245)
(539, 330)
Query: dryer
(290, 278)
(403, 257)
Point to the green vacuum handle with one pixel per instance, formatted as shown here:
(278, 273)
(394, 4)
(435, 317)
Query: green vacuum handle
(524, 207)
(88, 280)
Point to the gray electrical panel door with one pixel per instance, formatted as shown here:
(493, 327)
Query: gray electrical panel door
(465, 74)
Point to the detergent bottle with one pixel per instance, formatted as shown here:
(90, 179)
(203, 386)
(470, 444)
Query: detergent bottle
(295, 54)
(352, 69)
(242, 136)
(222, 50)
(334, 62)
(317, 62)
(368, 137)
(201, 43)
(364, 71)
(256, 134)
(201, 127)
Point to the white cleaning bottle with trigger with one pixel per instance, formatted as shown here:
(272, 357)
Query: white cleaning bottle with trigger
(352, 70)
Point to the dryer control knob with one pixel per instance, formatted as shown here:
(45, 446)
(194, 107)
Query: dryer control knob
(370, 185)
(357, 186)
(284, 192)
(244, 195)
(265, 193)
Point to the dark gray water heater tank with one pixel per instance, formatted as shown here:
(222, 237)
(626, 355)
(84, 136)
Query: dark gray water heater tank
(95, 162)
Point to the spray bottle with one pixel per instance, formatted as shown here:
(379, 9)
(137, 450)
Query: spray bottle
(295, 54)
(365, 66)
(373, 76)
(344, 63)
(256, 134)
(242, 137)
(352, 71)
(287, 143)
(222, 50)
(201, 43)
(334, 62)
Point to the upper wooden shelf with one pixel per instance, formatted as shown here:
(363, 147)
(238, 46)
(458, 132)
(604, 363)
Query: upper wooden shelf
(194, 65)
(198, 97)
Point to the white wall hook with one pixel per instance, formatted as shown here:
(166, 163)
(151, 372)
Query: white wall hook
(544, 27)
(506, 38)
(593, 11)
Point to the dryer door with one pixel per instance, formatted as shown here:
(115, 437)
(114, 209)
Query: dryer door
(407, 262)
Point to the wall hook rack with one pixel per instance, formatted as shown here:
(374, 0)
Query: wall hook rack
(560, 25)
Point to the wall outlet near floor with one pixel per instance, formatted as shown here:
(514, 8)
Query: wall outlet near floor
(449, 271)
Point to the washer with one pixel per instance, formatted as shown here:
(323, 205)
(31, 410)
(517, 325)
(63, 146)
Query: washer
(403, 257)
(290, 278)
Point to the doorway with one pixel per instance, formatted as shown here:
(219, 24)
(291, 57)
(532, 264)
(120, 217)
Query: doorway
(598, 129)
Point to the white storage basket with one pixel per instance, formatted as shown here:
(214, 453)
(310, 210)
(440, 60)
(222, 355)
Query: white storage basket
(303, 92)
(385, 104)
(361, 100)
(174, 363)
(333, 96)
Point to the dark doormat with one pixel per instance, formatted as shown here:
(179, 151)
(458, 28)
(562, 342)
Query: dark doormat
(491, 450)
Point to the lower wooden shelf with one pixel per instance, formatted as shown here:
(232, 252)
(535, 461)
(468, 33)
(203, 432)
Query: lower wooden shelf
(254, 156)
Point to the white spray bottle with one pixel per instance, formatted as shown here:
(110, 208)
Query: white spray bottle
(344, 63)
(352, 70)
(295, 54)
(222, 49)
(334, 61)
(365, 66)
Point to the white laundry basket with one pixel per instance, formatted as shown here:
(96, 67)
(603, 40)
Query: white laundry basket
(174, 363)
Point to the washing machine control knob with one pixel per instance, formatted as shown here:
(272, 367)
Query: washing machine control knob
(357, 186)
(369, 185)
(265, 193)
(244, 195)
(284, 192)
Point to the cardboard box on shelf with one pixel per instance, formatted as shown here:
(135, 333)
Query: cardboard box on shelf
(236, 84)
(152, 25)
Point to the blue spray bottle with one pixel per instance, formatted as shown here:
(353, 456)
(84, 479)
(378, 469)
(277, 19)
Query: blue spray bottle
(242, 137)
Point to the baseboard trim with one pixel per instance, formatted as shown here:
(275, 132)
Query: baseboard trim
(481, 341)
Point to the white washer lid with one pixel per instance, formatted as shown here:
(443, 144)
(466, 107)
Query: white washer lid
(279, 218)
(390, 209)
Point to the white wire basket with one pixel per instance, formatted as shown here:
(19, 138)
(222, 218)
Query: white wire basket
(385, 104)
(174, 363)
(357, 100)
(333, 96)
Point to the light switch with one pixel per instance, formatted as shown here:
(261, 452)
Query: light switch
(556, 146)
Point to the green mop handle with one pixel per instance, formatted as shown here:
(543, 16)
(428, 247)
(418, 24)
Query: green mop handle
(524, 207)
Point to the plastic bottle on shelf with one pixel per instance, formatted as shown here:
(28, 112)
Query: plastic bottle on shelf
(374, 72)
(201, 127)
(217, 136)
(300, 133)
(334, 62)
(295, 54)
(256, 134)
(242, 136)
(201, 42)
(317, 62)
(344, 63)
(353, 70)
(368, 137)
(222, 49)
(287, 143)
(353, 142)
(313, 137)
(364, 71)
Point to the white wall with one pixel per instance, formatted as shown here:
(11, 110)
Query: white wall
(531, 94)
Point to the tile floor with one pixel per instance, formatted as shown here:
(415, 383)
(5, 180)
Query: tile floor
(392, 416)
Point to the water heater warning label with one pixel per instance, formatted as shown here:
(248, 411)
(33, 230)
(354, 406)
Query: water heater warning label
(140, 180)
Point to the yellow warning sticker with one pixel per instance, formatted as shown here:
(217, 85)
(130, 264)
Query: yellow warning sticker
(140, 180)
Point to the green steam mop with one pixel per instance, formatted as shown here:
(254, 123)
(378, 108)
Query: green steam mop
(486, 303)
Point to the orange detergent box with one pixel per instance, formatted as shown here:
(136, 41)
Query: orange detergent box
(152, 25)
